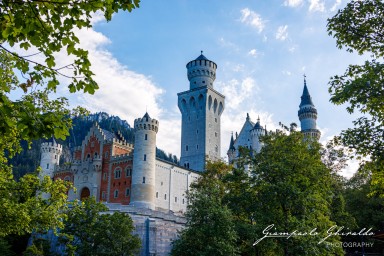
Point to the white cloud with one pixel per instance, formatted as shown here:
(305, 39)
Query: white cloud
(286, 72)
(228, 44)
(292, 49)
(253, 19)
(254, 53)
(335, 5)
(316, 6)
(122, 92)
(282, 33)
(293, 3)
(239, 91)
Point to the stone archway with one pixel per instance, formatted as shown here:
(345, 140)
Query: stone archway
(85, 193)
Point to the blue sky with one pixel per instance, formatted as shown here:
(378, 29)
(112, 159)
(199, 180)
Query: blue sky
(262, 49)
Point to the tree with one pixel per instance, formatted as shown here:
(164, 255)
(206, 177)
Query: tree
(358, 27)
(40, 29)
(293, 189)
(90, 230)
(210, 228)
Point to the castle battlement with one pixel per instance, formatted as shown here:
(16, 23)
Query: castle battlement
(120, 157)
(146, 123)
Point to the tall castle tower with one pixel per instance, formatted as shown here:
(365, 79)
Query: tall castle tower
(256, 133)
(50, 157)
(144, 157)
(201, 108)
(308, 115)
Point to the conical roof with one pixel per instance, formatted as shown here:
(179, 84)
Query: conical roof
(306, 98)
(232, 143)
(201, 57)
(146, 115)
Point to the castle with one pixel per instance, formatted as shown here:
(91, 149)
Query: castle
(129, 178)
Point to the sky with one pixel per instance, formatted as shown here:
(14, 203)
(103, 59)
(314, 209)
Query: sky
(262, 50)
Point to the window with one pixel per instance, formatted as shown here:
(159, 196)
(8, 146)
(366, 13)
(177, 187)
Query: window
(146, 137)
(215, 134)
(143, 179)
(197, 131)
(116, 193)
(216, 148)
(186, 148)
(127, 192)
(175, 199)
(128, 172)
(145, 157)
(157, 194)
(47, 166)
(197, 147)
(103, 195)
(105, 176)
(55, 156)
(183, 200)
(117, 173)
(106, 154)
(92, 144)
(165, 197)
(215, 120)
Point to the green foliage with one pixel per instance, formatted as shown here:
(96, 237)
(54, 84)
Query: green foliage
(39, 247)
(42, 29)
(293, 193)
(48, 27)
(5, 248)
(210, 228)
(89, 230)
(358, 27)
(23, 210)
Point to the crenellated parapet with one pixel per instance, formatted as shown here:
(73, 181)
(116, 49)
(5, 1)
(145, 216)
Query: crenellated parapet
(146, 123)
(201, 72)
(51, 147)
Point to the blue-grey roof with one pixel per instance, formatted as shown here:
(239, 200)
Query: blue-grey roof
(232, 143)
(146, 115)
(201, 57)
(257, 125)
(109, 135)
(306, 98)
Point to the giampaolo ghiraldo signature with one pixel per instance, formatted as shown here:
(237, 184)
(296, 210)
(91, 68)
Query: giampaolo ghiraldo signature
(270, 232)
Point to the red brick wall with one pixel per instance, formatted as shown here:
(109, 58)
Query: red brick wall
(77, 154)
(105, 171)
(92, 147)
(120, 151)
(120, 184)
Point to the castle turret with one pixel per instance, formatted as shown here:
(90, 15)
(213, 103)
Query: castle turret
(256, 133)
(144, 157)
(308, 115)
(232, 150)
(201, 108)
(50, 158)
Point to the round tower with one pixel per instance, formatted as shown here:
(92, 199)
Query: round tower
(256, 133)
(308, 115)
(144, 157)
(50, 157)
(201, 72)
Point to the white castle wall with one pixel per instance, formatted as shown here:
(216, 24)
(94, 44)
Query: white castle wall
(172, 182)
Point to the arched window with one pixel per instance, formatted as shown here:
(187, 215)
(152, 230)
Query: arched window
(143, 179)
(117, 173)
(116, 193)
(128, 172)
(127, 192)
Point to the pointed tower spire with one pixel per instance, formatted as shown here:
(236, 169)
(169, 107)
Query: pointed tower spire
(232, 143)
(306, 98)
(308, 114)
(248, 117)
